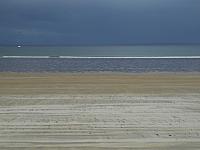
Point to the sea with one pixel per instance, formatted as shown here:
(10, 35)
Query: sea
(136, 58)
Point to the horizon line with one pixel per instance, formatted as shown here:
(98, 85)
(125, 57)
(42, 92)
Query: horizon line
(102, 57)
(121, 44)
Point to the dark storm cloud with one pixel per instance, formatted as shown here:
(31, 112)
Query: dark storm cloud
(99, 21)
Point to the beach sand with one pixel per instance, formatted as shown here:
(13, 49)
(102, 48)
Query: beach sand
(99, 111)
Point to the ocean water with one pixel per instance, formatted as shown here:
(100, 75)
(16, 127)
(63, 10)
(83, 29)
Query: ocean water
(103, 51)
(183, 58)
(99, 64)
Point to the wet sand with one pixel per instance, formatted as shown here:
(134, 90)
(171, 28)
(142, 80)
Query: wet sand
(97, 111)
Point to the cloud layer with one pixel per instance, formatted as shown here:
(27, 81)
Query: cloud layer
(99, 21)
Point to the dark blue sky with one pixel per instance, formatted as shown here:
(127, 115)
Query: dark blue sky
(99, 21)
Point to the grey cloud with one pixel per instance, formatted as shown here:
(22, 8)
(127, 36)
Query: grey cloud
(99, 21)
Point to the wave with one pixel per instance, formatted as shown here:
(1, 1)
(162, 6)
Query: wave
(100, 57)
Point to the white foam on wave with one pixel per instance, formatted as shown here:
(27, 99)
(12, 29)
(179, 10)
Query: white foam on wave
(25, 57)
(96, 57)
(136, 57)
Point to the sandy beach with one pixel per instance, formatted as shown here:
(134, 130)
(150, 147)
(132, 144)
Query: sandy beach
(99, 111)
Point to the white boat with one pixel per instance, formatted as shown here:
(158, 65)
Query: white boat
(18, 46)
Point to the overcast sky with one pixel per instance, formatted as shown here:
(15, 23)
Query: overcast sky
(99, 21)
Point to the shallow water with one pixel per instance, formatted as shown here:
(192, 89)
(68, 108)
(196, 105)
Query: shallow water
(99, 64)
